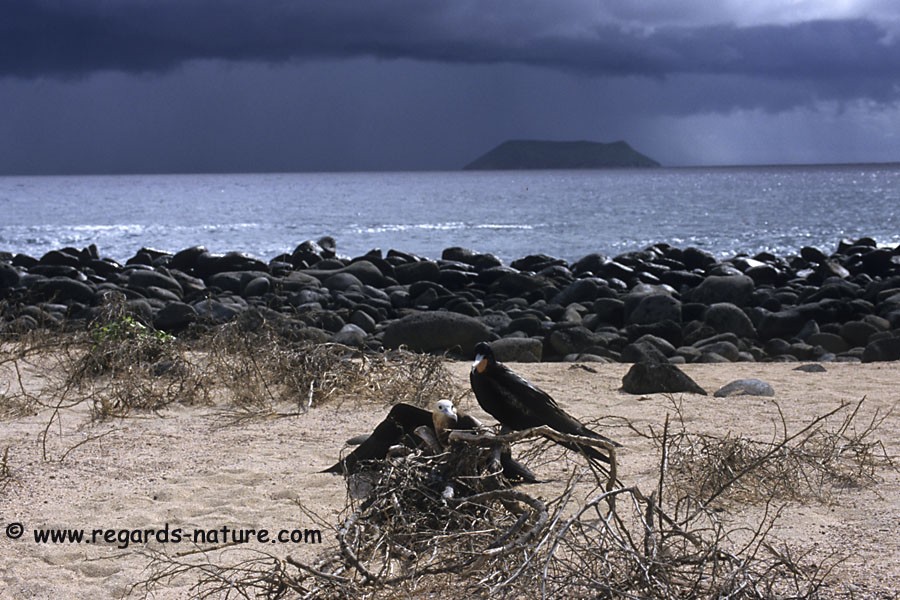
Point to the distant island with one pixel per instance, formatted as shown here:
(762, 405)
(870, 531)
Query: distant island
(537, 154)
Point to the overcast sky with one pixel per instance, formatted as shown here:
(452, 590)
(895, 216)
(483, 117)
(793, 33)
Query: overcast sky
(124, 86)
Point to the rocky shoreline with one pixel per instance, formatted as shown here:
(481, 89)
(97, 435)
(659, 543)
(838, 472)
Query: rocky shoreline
(659, 304)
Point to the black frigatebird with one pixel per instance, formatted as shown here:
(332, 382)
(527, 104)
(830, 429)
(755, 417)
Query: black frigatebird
(518, 405)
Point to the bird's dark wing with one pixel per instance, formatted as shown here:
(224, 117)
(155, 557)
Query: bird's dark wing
(518, 404)
(397, 428)
(510, 399)
(523, 388)
(408, 417)
(466, 421)
(542, 409)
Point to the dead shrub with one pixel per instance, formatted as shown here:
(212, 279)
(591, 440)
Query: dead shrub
(269, 374)
(262, 373)
(28, 365)
(256, 368)
(417, 379)
(249, 368)
(812, 463)
(120, 365)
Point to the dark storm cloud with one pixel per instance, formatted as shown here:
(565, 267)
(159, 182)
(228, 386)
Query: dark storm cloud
(230, 85)
(77, 37)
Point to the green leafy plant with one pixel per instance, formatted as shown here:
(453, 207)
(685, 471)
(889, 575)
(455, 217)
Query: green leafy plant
(126, 327)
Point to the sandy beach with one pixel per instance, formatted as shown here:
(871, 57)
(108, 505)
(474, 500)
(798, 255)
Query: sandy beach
(185, 467)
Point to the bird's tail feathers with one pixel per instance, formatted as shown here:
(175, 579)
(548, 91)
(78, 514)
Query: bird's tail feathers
(592, 454)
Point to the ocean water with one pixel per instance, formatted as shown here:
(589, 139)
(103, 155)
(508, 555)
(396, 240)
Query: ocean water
(567, 214)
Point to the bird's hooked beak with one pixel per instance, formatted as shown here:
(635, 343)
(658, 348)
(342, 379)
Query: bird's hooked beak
(481, 363)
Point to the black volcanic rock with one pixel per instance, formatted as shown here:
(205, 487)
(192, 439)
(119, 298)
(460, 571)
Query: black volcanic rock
(9, 276)
(174, 317)
(535, 154)
(436, 330)
(884, 349)
(659, 305)
(655, 378)
(65, 290)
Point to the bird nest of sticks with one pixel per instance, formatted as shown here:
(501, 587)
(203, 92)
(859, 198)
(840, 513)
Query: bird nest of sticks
(416, 517)
(444, 513)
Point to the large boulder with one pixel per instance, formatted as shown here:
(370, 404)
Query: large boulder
(143, 278)
(656, 378)
(218, 311)
(791, 322)
(458, 254)
(174, 317)
(831, 342)
(307, 254)
(723, 348)
(65, 290)
(470, 257)
(694, 258)
(581, 290)
(436, 331)
(884, 349)
(186, 260)
(857, 333)
(654, 308)
(735, 289)
(342, 281)
(609, 311)
(515, 284)
(783, 324)
(350, 335)
(726, 317)
(207, 264)
(258, 286)
(564, 341)
(64, 257)
(9, 276)
(642, 351)
(518, 349)
(227, 281)
(363, 270)
(423, 270)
